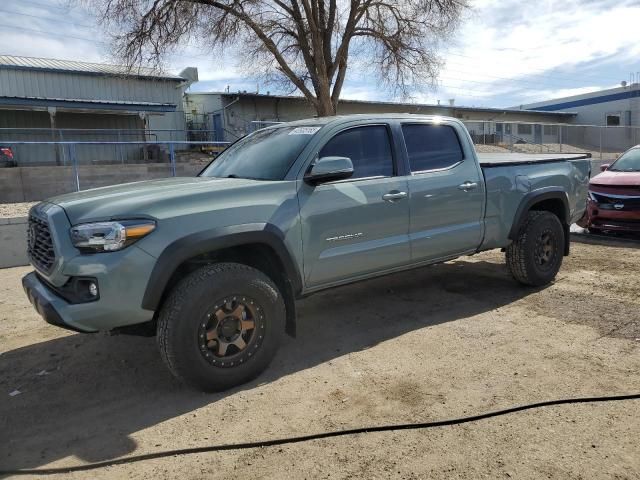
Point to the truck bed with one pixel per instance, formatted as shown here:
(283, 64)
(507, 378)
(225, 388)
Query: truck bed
(488, 160)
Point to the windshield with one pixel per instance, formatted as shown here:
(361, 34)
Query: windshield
(628, 162)
(263, 155)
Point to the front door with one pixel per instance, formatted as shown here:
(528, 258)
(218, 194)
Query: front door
(447, 192)
(358, 226)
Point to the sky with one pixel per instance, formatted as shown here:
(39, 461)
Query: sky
(506, 52)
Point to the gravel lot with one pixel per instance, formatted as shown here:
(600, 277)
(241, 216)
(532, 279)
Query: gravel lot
(10, 210)
(445, 341)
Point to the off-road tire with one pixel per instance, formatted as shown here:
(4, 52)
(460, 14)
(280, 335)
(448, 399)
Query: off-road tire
(181, 318)
(521, 255)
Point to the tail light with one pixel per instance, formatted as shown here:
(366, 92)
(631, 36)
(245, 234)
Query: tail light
(7, 152)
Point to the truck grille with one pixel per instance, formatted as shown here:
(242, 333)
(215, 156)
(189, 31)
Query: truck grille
(626, 203)
(40, 244)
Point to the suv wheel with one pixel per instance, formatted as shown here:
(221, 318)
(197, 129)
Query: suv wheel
(535, 257)
(221, 326)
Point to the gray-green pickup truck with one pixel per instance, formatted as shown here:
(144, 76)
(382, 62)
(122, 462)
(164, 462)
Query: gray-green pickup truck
(213, 265)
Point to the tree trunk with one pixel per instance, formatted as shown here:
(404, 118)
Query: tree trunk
(324, 105)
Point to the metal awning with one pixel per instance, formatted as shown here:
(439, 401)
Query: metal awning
(84, 104)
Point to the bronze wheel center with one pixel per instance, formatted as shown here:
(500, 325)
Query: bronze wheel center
(229, 329)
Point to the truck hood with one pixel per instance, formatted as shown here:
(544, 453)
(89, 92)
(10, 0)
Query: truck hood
(610, 178)
(148, 198)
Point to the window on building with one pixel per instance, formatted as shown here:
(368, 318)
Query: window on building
(431, 147)
(551, 130)
(524, 129)
(368, 148)
(613, 120)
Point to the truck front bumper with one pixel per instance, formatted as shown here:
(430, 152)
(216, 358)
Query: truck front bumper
(121, 278)
(47, 303)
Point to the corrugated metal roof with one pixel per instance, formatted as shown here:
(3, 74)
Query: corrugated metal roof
(50, 64)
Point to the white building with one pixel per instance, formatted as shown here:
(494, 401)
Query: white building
(616, 109)
(613, 107)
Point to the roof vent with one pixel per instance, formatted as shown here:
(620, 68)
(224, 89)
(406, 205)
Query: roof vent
(190, 74)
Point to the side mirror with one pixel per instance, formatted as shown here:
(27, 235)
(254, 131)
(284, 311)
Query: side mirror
(329, 169)
(604, 167)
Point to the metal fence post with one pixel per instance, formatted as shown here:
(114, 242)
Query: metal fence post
(172, 158)
(600, 129)
(74, 162)
(560, 129)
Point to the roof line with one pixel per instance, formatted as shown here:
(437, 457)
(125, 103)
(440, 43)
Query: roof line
(374, 102)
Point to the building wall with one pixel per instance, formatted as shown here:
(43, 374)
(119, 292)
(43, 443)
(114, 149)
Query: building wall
(592, 108)
(64, 85)
(239, 110)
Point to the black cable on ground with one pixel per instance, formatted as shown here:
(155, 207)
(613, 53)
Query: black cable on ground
(316, 436)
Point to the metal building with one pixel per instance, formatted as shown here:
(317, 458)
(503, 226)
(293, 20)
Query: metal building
(608, 119)
(62, 99)
(232, 115)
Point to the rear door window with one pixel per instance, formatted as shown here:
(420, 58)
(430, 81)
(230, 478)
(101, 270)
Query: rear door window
(368, 148)
(431, 147)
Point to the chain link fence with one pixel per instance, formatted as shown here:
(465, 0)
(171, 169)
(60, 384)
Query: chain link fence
(65, 160)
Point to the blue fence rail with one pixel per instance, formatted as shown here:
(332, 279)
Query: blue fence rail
(71, 150)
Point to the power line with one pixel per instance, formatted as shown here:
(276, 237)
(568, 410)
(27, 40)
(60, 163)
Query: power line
(45, 5)
(48, 19)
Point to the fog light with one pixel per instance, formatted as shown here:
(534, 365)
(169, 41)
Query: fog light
(93, 289)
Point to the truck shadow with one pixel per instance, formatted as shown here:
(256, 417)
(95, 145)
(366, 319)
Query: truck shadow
(99, 391)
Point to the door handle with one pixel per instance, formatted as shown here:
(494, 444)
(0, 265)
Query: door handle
(394, 195)
(466, 186)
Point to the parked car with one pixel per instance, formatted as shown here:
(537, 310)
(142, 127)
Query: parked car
(6, 157)
(213, 264)
(614, 195)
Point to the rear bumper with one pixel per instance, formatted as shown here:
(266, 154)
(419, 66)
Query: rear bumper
(607, 219)
(47, 303)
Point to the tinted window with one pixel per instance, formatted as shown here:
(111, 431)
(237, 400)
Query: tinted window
(367, 147)
(613, 120)
(264, 155)
(431, 146)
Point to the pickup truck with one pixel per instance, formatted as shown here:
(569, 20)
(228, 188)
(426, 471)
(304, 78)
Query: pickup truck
(213, 264)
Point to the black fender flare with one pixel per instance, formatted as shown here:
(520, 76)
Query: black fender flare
(537, 196)
(211, 240)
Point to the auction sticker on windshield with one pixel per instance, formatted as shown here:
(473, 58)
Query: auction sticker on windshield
(304, 131)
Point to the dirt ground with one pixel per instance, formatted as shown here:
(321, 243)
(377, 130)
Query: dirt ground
(9, 210)
(445, 341)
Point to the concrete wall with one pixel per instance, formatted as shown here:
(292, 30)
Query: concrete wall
(38, 183)
(13, 242)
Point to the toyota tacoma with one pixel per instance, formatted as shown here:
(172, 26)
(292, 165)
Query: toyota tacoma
(213, 264)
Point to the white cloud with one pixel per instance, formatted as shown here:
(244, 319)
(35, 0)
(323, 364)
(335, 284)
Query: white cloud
(507, 52)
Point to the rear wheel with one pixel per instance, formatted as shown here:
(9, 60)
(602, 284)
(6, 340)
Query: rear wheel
(535, 257)
(221, 326)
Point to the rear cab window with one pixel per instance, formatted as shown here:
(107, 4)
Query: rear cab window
(368, 147)
(431, 147)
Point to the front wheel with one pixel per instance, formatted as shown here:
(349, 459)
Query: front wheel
(535, 257)
(221, 326)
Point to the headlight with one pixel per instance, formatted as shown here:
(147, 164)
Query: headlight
(109, 236)
(592, 196)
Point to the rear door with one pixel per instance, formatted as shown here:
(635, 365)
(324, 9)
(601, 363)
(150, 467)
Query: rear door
(446, 191)
(359, 226)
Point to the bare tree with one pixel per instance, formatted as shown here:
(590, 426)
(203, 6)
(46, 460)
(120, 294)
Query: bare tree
(307, 43)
